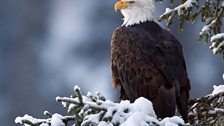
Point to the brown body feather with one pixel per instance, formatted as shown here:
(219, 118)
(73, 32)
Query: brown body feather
(148, 61)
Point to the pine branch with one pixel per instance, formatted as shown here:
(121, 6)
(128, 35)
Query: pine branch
(217, 44)
(211, 13)
(208, 110)
(95, 110)
(182, 12)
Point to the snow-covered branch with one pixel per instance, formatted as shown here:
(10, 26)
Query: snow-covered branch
(95, 110)
(211, 13)
(182, 11)
(54, 120)
(208, 110)
(179, 9)
(217, 43)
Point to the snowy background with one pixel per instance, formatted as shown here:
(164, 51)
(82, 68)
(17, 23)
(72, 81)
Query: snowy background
(48, 46)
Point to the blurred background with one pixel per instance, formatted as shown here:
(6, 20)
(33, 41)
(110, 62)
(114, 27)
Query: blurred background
(49, 46)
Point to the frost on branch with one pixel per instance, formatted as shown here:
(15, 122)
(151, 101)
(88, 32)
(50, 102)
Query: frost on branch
(210, 13)
(208, 110)
(217, 43)
(95, 110)
(53, 120)
(183, 12)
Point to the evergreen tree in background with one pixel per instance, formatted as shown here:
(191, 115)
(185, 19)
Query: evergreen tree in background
(210, 13)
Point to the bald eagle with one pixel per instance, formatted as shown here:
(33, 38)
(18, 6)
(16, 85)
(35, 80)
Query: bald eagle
(147, 61)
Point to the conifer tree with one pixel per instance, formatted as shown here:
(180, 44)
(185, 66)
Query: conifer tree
(209, 12)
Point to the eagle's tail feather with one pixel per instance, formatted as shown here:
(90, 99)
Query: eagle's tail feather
(182, 105)
(164, 103)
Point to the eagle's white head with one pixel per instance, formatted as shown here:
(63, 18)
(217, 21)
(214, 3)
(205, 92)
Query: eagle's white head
(135, 11)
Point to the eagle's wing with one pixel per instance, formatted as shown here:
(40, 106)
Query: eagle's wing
(144, 65)
(175, 71)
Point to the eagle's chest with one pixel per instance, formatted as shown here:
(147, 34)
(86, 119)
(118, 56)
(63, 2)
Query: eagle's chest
(132, 55)
(138, 49)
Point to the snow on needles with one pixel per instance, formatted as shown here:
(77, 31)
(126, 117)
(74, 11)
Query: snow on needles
(218, 89)
(143, 105)
(139, 113)
(217, 36)
(125, 113)
(179, 9)
(96, 110)
(56, 120)
(217, 43)
(140, 119)
(20, 120)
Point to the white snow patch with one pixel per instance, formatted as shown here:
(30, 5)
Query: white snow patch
(19, 120)
(179, 9)
(76, 88)
(170, 124)
(217, 89)
(56, 120)
(168, 10)
(217, 36)
(120, 116)
(94, 118)
(219, 110)
(139, 119)
(143, 105)
(217, 49)
(172, 121)
(44, 124)
(205, 30)
(89, 94)
(217, 43)
(103, 123)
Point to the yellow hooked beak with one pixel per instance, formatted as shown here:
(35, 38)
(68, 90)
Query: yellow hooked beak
(120, 5)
